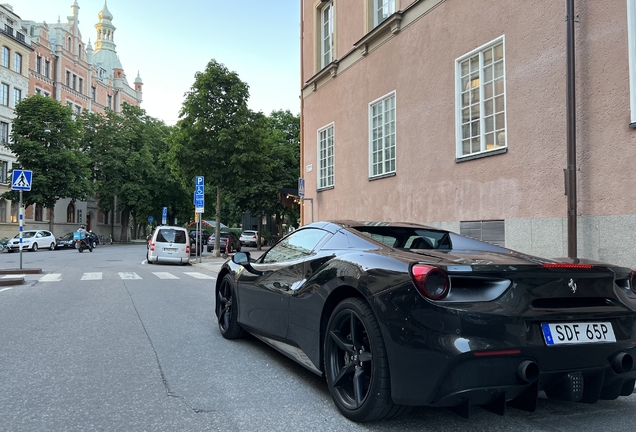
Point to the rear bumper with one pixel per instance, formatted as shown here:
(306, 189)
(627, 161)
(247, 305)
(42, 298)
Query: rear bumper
(168, 260)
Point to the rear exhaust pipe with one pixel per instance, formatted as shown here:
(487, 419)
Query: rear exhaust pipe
(528, 371)
(622, 362)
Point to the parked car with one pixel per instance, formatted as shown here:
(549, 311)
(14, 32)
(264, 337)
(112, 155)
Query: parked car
(248, 238)
(205, 234)
(32, 240)
(396, 315)
(235, 244)
(65, 242)
(92, 238)
(194, 243)
(169, 244)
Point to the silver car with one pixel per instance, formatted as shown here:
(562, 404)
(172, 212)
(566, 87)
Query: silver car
(169, 244)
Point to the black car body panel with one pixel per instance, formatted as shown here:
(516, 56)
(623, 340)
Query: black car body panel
(484, 343)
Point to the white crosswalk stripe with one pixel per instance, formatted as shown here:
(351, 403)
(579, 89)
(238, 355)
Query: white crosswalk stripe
(92, 276)
(52, 277)
(13, 276)
(129, 275)
(165, 275)
(198, 275)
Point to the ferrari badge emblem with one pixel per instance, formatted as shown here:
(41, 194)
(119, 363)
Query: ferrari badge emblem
(572, 286)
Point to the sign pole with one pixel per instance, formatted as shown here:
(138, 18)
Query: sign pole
(20, 212)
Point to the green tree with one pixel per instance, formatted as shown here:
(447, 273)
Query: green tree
(207, 138)
(125, 148)
(276, 149)
(45, 140)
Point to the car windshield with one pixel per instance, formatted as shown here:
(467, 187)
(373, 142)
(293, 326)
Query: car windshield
(249, 233)
(68, 236)
(171, 236)
(26, 234)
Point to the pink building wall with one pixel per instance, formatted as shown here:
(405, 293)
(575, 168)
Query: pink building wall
(418, 63)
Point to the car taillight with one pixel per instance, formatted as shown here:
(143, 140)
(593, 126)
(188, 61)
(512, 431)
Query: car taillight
(431, 282)
(152, 247)
(187, 249)
(632, 280)
(567, 266)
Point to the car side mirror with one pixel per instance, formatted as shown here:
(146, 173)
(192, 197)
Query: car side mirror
(243, 259)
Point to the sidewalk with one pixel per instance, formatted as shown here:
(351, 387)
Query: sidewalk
(209, 262)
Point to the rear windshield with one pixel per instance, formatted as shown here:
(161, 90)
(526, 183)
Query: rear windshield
(171, 236)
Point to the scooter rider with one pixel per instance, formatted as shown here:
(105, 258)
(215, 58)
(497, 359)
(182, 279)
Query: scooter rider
(84, 244)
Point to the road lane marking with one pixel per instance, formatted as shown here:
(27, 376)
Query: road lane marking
(129, 275)
(164, 275)
(92, 276)
(198, 275)
(4, 289)
(53, 277)
(11, 276)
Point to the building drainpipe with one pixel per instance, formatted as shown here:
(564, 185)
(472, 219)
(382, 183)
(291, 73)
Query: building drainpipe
(302, 104)
(570, 171)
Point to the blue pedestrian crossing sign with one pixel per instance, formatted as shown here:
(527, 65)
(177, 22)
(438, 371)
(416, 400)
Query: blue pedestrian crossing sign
(21, 180)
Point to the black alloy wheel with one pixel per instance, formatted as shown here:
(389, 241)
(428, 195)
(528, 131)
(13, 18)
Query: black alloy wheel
(356, 364)
(227, 310)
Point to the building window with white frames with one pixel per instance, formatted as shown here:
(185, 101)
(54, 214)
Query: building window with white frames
(382, 136)
(382, 9)
(17, 62)
(4, 133)
(481, 100)
(38, 64)
(6, 56)
(326, 34)
(4, 94)
(325, 157)
(17, 96)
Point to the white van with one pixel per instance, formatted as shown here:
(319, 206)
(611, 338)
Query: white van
(169, 244)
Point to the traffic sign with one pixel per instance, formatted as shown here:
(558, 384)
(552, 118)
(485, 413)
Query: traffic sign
(301, 187)
(164, 216)
(199, 194)
(21, 180)
(150, 219)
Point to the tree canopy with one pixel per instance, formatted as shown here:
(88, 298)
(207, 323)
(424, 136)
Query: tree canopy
(45, 140)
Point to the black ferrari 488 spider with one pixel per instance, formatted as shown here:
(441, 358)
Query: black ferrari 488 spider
(396, 315)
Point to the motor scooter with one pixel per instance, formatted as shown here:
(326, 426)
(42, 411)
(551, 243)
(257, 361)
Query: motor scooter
(82, 244)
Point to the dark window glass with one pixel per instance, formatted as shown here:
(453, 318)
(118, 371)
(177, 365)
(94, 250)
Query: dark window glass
(297, 245)
(167, 235)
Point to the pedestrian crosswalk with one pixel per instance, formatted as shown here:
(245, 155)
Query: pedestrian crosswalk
(96, 276)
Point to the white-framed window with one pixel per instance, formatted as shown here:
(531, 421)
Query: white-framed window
(382, 9)
(68, 78)
(6, 56)
(382, 136)
(38, 64)
(17, 62)
(481, 100)
(4, 94)
(631, 50)
(326, 34)
(47, 68)
(325, 157)
(17, 96)
(4, 132)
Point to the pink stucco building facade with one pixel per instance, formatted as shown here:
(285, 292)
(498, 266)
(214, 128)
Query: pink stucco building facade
(452, 113)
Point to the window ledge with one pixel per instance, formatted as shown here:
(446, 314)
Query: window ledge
(391, 24)
(632, 125)
(325, 189)
(382, 176)
(482, 155)
(330, 69)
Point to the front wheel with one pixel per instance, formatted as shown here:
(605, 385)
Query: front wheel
(227, 310)
(356, 364)
(34, 248)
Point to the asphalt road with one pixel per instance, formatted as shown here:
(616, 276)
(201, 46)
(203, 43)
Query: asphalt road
(103, 341)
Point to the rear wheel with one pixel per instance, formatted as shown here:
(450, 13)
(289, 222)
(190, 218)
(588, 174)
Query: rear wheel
(52, 246)
(356, 364)
(227, 310)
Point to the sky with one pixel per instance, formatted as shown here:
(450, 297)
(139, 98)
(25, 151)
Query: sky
(168, 42)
